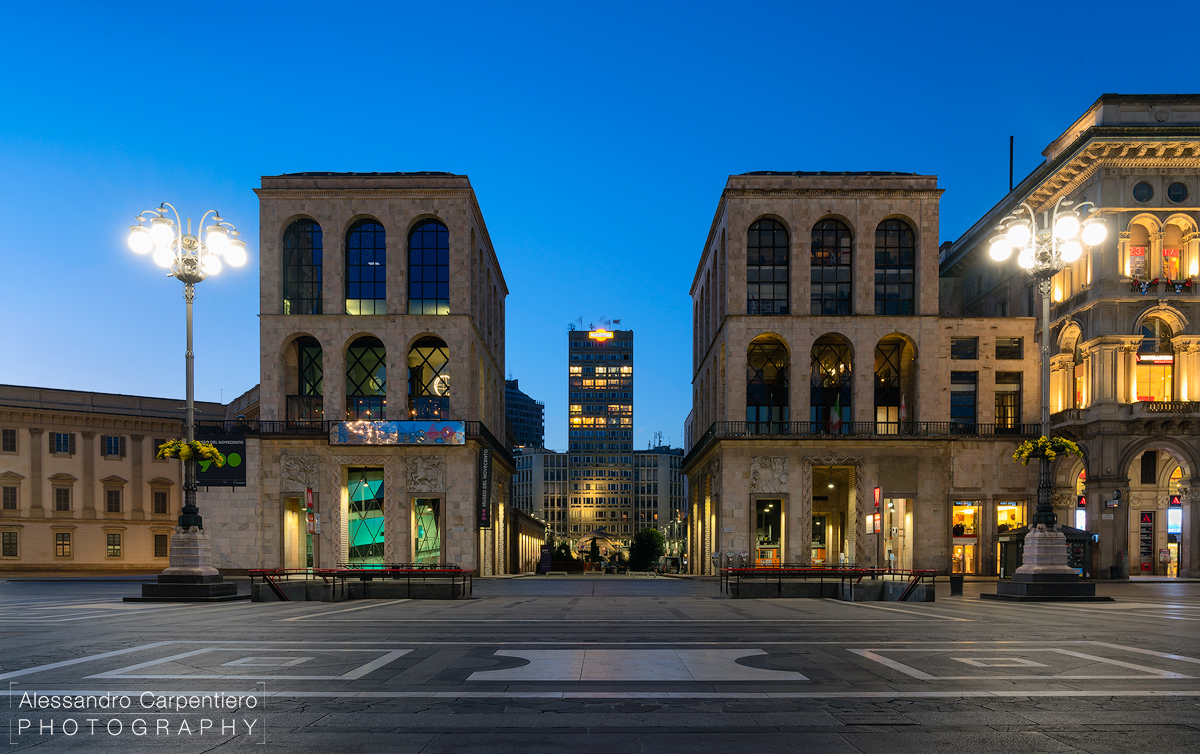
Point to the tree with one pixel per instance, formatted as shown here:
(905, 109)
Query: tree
(648, 546)
(562, 552)
(594, 552)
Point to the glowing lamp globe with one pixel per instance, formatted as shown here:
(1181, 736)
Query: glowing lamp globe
(162, 231)
(1000, 249)
(211, 264)
(1070, 251)
(140, 240)
(163, 256)
(1094, 232)
(235, 253)
(1018, 234)
(217, 241)
(1066, 226)
(1026, 259)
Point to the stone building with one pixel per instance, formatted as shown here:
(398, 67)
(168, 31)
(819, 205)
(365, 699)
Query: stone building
(366, 276)
(836, 416)
(1125, 348)
(80, 488)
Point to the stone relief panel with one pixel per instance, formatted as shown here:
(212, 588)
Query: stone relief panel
(298, 473)
(768, 474)
(426, 474)
(805, 504)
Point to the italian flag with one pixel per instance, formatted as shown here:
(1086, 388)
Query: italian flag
(835, 417)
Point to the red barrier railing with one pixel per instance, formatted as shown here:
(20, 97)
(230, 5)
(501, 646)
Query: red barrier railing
(731, 578)
(339, 576)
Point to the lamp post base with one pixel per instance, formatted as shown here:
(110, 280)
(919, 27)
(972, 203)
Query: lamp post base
(1044, 575)
(190, 576)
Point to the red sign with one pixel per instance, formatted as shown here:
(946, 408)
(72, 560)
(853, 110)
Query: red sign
(1147, 518)
(1137, 251)
(1175, 502)
(1081, 502)
(308, 498)
(878, 497)
(1156, 358)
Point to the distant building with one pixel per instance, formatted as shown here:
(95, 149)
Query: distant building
(659, 494)
(540, 487)
(526, 415)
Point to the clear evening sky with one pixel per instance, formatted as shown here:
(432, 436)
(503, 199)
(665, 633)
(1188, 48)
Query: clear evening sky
(598, 138)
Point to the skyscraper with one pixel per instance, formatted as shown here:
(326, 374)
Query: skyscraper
(600, 431)
(526, 415)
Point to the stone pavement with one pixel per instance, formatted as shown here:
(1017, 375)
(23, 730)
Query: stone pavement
(549, 664)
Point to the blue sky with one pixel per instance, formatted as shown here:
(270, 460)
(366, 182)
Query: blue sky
(598, 138)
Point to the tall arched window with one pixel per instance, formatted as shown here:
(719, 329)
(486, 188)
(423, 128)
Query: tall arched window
(767, 268)
(366, 380)
(831, 278)
(1155, 375)
(830, 377)
(895, 257)
(306, 403)
(429, 380)
(302, 251)
(429, 269)
(766, 386)
(894, 385)
(366, 268)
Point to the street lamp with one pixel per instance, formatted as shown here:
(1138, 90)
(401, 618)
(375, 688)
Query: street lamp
(1042, 250)
(190, 259)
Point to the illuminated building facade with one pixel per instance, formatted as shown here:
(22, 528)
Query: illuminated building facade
(600, 432)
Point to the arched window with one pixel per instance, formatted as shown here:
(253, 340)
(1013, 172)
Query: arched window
(766, 386)
(306, 403)
(895, 253)
(894, 385)
(831, 278)
(302, 250)
(366, 268)
(429, 269)
(767, 268)
(429, 380)
(1155, 374)
(366, 380)
(830, 376)
(1156, 336)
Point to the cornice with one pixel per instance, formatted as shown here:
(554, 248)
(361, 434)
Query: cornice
(371, 193)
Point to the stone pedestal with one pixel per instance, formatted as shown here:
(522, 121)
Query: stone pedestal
(1044, 575)
(190, 576)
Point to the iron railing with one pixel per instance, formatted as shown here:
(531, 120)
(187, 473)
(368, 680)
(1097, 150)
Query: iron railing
(731, 578)
(882, 430)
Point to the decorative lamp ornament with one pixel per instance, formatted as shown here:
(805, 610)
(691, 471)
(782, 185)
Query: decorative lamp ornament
(1094, 232)
(1001, 249)
(140, 240)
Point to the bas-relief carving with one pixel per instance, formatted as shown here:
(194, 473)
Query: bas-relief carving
(298, 473)
(806, 490)
(426, 474)
(768, 474)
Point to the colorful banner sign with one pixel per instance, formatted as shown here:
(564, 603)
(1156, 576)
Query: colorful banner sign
(233, 473)
(484, 518)
(365, 432)
(1156, 358)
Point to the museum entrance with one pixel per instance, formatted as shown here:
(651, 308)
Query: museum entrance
(832, 540)
(768, 536)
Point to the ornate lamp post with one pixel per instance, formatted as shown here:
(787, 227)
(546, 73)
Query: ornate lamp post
(189, 259)
(1042, 250)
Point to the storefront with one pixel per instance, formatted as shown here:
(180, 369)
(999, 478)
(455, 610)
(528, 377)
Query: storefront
(897, 529)
(974, 526)
(964, 530)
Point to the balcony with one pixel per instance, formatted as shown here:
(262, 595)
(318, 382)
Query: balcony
(849, 430)
(305, 408)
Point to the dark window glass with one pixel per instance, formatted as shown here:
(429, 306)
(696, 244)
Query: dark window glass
(1143, 192)
(8, 548)
(429, 380)
(1008, 399)
(830, 385)
(112, 499)
(895, 260)
(767, 268)
(1008, 348)
(162, 546)
(429, 269)
(8, 440)
(307, 403)
(366, 380)
(114, 446)
(1149, 467)
(366, 268)
(61, 442)
(113, 542)
(831, 270)
(964, 348)
(1156, 336)
(302, 252)
(1177, 192)
(62, 498)
(962, 397)
(62, 544)
(767, 387)
(9, 497)
(160, 501)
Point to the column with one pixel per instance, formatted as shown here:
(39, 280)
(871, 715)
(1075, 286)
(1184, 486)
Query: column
(1154, 268)
(1062, 380)
(1189, 539)
(1123, 254)
(36, 480)
(88, 450)
(136, 494)
(802, 546)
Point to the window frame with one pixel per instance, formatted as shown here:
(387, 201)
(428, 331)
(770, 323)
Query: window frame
(10, 543)
(1017, 344)
(961, 356)
(842, 256)
(355, 267)
(308, 273)
(884, 230)
(756, 264)
(62, 545)
(6, 434)
(417, 273)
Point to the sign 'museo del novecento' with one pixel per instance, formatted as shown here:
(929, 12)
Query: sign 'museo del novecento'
(398, 433)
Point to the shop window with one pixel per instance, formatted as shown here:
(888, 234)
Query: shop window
(965, 516)
(963, 397)
(162, 546)
(8, 544)
(62, 544)
(820, 540)
(366, 268)
(364, 525)
(113, 545)
(768, 521)
(767, 268)
(1008, 399)
(1010, 515)
(831, 258)
(895, 255)
(964, 348)
(1008, 348)
(302, 250)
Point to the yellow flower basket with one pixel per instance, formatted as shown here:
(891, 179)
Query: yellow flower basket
(1048, 447)
(188, 450)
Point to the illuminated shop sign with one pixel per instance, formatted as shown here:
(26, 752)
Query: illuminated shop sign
(1081, 502)
(398, 433)
(600, 335)
(1156, 358)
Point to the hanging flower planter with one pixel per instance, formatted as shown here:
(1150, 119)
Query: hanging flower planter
(1045, 447)
(188, 450)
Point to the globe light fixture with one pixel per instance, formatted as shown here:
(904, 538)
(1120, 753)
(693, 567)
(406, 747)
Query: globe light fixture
(1071, 251)
(1018, 234)
(1094, 232)
(235, 254)
(140, 240)
(1066, 226)
(1001, 249)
